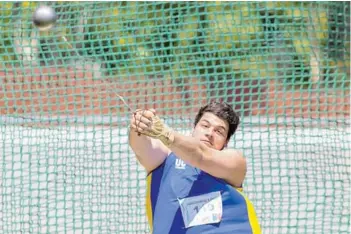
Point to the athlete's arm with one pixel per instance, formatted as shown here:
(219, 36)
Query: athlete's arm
(150, 152)
(228, 164)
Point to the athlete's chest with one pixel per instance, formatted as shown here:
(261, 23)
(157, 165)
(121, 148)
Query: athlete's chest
(179, 177)
(182, 180)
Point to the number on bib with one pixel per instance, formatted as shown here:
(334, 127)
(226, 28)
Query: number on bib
(202, 209)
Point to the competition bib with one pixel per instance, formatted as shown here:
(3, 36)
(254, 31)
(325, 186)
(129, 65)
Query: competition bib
(202, 209)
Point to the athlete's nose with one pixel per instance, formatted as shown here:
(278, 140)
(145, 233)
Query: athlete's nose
(208, 133)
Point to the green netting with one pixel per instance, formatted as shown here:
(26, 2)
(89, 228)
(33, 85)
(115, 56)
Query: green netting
(66, 166)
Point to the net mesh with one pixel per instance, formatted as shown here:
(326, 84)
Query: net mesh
(65, 161)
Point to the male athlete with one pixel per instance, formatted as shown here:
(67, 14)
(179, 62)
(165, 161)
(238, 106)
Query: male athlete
(194, 184)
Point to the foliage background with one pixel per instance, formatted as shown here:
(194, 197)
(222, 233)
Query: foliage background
(295, 42)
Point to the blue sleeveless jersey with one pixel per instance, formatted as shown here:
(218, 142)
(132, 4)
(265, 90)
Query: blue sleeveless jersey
(174, 181)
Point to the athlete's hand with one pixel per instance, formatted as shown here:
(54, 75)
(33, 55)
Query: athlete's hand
(142, 119)
(147, 123)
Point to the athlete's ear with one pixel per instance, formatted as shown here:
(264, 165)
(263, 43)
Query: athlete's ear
(226, 144)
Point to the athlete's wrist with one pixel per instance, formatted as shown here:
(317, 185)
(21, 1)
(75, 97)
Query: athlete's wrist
(167, 137)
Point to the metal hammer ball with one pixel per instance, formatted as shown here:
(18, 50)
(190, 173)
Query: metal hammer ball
(44, 18)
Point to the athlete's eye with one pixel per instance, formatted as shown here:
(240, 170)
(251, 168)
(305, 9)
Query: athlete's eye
(220, 132)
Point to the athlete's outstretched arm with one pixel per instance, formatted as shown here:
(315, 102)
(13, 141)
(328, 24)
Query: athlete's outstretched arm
(229, 165)
(150, 152)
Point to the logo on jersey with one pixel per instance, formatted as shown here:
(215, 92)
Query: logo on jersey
(179, 164)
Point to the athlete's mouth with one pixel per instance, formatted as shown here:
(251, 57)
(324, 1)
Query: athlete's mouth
(207, 142)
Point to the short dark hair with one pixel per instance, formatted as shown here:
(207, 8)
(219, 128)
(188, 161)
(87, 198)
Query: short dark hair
(222, 110)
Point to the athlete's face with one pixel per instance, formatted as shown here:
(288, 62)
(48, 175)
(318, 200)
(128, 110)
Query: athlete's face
(212, 131)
